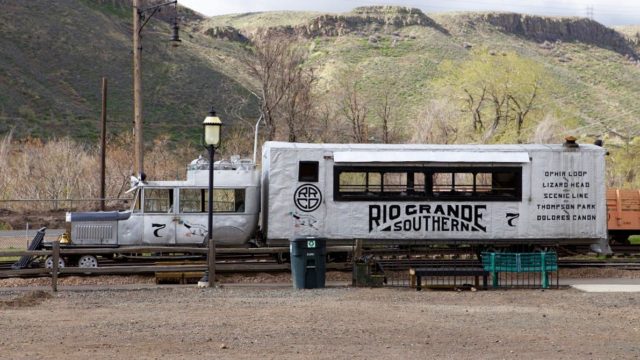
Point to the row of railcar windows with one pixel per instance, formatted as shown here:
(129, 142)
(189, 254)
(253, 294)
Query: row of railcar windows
(354, 183)
(194, 200)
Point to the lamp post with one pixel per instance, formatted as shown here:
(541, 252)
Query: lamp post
(141, 17)
(211, 140)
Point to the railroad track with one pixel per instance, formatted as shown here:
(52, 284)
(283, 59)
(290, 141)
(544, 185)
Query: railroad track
(622, 264)
(233, 261)
(110, 267)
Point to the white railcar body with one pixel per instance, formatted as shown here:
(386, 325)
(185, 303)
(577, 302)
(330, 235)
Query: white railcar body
(175, 212)
(464, 194)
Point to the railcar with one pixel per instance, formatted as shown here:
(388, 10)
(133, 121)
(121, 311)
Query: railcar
(477, 195)
(536, 195)
(175, 212)
(623, 214)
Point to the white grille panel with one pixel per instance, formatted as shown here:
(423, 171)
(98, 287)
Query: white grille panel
(92, 233)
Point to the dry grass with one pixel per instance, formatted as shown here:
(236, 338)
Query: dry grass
(64, 169)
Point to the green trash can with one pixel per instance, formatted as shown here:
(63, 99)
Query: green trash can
(308, 262)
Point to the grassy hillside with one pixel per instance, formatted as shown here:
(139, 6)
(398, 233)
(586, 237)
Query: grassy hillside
(594, 72)
(54, 54)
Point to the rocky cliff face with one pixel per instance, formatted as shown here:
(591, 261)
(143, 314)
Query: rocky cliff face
(366, 19)
(372, 19)
(226, 33)
(565, 29)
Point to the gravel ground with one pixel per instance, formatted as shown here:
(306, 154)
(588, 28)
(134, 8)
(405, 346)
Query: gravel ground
(247, 321)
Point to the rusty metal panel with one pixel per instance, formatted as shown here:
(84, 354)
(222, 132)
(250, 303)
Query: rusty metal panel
(623, 207)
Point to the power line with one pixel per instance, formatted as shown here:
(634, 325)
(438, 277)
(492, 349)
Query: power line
(590, 12)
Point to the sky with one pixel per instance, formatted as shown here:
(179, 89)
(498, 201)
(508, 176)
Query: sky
(608, 12)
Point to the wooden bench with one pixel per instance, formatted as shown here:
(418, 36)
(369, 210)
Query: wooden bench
(416, 274)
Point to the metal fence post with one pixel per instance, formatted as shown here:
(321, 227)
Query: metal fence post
(54, 268)
(494, 273)
(543, 268)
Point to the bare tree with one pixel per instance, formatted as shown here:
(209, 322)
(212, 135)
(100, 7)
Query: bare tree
(385, 107)
(276, 62)
(474, 106)
(354, 106)
(522, 107)
(434, 124)
(297, 107)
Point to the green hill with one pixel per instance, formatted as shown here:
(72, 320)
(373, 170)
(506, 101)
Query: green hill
(54, 53)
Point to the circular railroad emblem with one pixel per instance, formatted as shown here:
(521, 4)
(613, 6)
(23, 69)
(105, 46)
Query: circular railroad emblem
(307, 197)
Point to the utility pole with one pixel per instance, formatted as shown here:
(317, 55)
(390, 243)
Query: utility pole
(103, 143)
(140, 18)
(137, 90)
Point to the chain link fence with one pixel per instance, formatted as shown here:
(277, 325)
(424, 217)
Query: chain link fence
(21, 219)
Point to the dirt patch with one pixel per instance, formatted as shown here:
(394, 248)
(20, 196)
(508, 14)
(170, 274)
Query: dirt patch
(105, 280)
(274, 278)
(589, 273)
(26, 300)
(267, 278)
(277, 322)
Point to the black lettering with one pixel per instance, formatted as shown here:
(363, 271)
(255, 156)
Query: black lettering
(407, 225)
(374, 216)
(416, 224)
(394, 212)
(410, 210)
(435, 223)
(454, 224)
(466, 213)
(445, 224)
(426, 222)
(478, 216)
(452, 211)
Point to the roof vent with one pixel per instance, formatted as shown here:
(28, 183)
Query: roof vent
(570, 142)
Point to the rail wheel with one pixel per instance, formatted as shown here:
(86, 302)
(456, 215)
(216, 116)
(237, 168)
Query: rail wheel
(88, 261)
(48, 263)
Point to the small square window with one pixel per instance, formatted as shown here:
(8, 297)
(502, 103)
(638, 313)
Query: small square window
(308, 171)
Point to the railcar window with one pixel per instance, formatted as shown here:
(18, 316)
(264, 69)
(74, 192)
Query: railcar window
(224, 200)
(418, 185)
(354, 183)
(192, 201)
(505, 183)
(360, 182)
(483, 183)
(158, 200)
(308, 171)
(442, 183)
(394, 182)
(137, 200)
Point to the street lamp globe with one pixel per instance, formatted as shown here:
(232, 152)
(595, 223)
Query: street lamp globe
(175, 37)
(211, 130)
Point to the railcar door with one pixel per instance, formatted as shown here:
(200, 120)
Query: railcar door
(229, 222)
(159, 216)
(309, 214)
(191, 227)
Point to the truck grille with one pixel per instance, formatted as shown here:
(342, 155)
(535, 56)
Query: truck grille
(92, 232)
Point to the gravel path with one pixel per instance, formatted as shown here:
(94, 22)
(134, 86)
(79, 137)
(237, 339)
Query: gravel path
(276, 322)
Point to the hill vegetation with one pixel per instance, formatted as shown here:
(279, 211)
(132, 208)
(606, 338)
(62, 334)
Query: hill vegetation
(376, 74)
